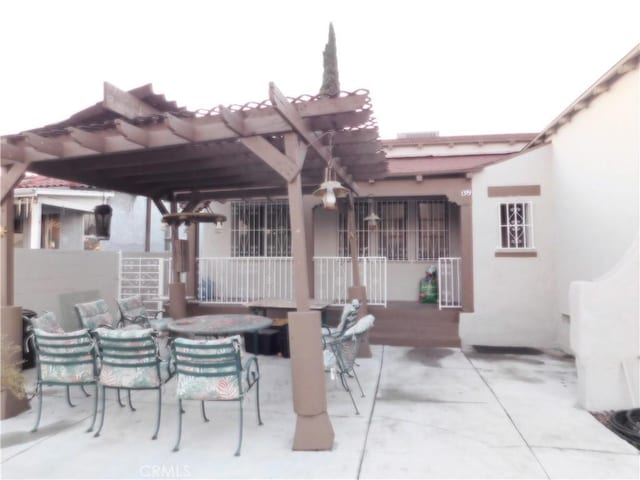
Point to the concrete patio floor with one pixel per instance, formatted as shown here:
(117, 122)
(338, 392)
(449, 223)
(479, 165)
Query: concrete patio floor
(428, 413)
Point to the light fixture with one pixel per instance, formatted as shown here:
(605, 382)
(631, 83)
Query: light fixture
(372, 219)
(330, 190)
(102, 214)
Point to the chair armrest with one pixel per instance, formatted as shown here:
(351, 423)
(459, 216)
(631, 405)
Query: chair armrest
(252, 371)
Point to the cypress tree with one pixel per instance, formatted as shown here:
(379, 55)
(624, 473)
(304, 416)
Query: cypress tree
(330, 80)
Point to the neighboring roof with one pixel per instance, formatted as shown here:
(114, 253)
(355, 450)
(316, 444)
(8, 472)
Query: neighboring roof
(460, 139)
(442, 165)
(40, 181)
(628, 63)
(137, 142)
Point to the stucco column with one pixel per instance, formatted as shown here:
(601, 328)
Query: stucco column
(35, 225)
(466, 240)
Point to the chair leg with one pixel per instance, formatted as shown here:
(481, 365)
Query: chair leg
(180, 413)
(258, 401)
(103, 404)
(355, 375)
(120, 400)
(204, 412)
(237, 454)
(69, 396)
(86, 394)
(95, 408)
(346, 387)
(39, 414)
(155, 435)
(129, 400)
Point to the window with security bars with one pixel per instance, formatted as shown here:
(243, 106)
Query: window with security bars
(361, 210)
(392, 231)
(432, 229)
(260, 229)
(516, 225)
(389, 239)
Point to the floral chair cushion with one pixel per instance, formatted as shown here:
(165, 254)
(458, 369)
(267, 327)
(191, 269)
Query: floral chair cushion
(133, 309)
(218, 386)
(125, 372)
(57, 368)
(47, 322)
(94, 314)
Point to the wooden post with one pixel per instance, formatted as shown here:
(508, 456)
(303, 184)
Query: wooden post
(313, 426)
(192, 274)
(6, 251)
(357, 290)
(147, 229)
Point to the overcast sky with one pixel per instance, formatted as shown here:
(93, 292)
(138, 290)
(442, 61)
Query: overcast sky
(452, 66)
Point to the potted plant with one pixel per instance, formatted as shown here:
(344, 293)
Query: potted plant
(11, 379)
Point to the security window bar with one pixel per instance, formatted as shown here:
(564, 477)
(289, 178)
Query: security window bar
(361, 210)
(260, 229)
(392, 232)
(516, 225)
(432, 229)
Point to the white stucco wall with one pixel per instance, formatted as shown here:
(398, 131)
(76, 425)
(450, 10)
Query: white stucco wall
(596, 159)
(512, 295)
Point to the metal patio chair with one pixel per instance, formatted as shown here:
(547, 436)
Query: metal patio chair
(345, 350)
(48, 322)
(65, 359)
(348, 318)
(212, 370)
(133, 311)
(129, 360)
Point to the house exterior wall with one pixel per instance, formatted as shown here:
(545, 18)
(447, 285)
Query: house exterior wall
(584, 221)
(596, 160)
(512, 294)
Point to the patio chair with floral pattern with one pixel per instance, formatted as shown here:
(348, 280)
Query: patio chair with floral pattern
(134, 311)
(65, 359)
(48, 322)
(129, 360)
(212, 370)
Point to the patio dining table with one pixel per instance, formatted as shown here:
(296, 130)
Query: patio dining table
(219, 325)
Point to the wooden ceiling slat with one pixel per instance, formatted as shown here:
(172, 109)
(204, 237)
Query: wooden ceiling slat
(181, 128)
(92, 141)
(12, 153)
(44, 144)
(133, 133)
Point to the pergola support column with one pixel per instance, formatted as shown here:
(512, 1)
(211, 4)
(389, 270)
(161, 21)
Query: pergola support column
(313, 426)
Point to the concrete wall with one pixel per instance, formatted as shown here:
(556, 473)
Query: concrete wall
(56, 279)
(512, 294)
(605, 336)
(596, 173)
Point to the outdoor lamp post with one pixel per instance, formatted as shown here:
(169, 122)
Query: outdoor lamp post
(102, 214)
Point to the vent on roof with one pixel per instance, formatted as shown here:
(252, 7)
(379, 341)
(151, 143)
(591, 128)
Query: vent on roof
(418, 134)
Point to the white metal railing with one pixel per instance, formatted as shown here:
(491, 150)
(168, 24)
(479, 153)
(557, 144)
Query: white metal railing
(244, 279)
(334, 276)
(449, 282)
(144, 276)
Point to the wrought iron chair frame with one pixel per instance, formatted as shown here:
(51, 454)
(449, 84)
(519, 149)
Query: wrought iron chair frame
(222, 359)
(50, 350)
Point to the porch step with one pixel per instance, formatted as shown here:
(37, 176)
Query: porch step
(414, 324)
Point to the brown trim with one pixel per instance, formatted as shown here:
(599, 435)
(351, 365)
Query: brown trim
(527, 253)
(514, 191)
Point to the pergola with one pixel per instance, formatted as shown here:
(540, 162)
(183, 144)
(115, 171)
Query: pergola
(139, 143)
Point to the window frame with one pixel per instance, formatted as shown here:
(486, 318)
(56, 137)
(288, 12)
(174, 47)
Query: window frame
(268, 233)
(514, 229)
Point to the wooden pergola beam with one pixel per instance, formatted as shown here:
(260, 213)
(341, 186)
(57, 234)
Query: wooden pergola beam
(293, 117)
(277, 160)
(10, 178)
(133, 133)
(125, 104)
(92, 141)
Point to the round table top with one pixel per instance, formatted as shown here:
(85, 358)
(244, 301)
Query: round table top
(219, 324)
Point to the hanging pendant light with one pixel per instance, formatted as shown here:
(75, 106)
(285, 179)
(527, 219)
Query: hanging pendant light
(102, 214)
(372, 219)
(330, 190)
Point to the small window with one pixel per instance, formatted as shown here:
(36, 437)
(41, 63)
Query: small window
(516, 225)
